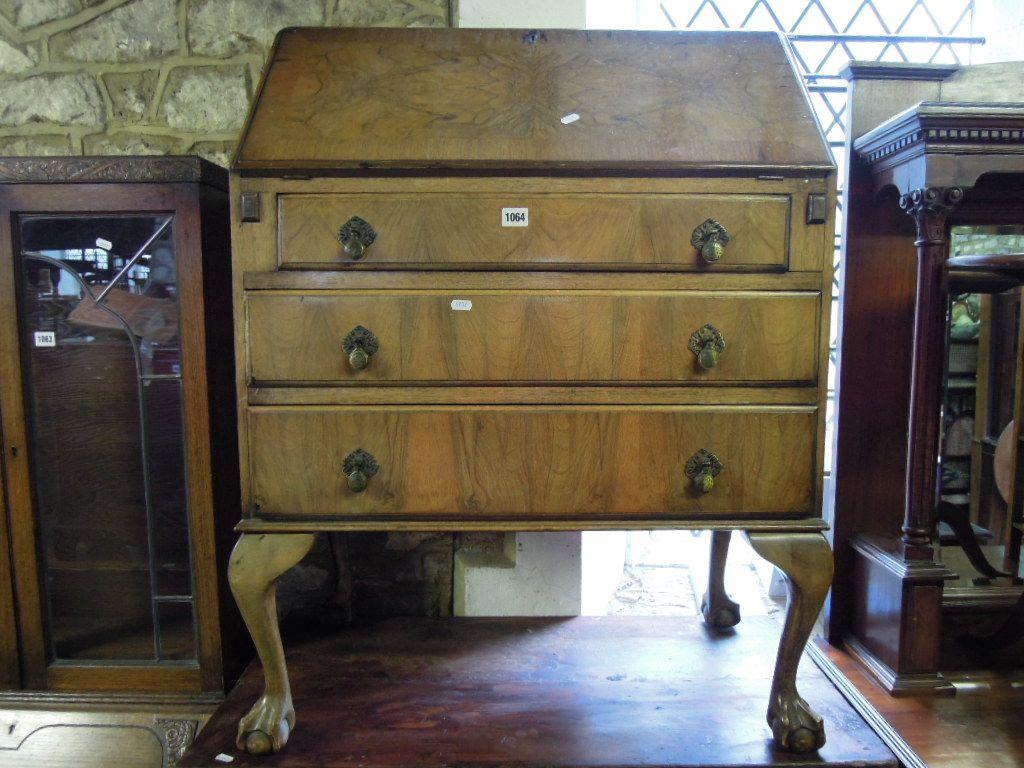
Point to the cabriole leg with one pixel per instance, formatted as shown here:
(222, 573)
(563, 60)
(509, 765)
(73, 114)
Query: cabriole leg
(257, 561)
(806, 559)
(719, 611)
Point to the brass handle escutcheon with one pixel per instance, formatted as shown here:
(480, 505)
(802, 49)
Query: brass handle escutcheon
(710, 238)
(360, 345)
(359, 466)
(356, 235)
(703, 467)
(707, 343)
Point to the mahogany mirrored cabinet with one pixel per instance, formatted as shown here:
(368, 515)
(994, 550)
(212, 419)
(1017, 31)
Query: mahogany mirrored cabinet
(120, 459)
(928, 474)
(600, 301)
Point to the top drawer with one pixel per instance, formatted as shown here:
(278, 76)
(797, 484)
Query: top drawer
(630, 231)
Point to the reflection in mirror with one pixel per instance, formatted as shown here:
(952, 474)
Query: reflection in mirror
(979, 510)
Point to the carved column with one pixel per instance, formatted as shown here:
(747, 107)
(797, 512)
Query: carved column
(930, 208)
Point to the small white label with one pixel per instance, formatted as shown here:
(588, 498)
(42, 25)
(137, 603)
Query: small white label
(106, 245)
(515, 217)
(572, 117)
(463, 305)
(45, 338)
(222, 758)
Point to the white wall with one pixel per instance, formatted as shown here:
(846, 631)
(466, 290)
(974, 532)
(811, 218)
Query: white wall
(549, 14)
(1001, 23)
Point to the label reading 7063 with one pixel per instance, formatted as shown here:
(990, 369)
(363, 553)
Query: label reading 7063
(45, 338)
(515, 217)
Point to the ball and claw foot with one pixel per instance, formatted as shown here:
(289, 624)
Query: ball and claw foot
(267, 726)
(795, 725)
(721, 614)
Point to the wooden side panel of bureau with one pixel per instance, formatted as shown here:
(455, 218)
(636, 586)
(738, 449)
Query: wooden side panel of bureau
(462, 312)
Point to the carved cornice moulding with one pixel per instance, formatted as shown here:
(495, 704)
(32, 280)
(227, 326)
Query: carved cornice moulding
(896, 70)
(935, 127)
(102, 170)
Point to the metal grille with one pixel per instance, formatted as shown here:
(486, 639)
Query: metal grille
(824, 35)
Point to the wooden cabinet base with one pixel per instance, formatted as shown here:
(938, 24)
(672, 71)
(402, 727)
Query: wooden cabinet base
(901, 653)
(259, 559)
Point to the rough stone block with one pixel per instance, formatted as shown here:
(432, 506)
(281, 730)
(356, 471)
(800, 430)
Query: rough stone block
(218, 152)
(15, 59)
(32, 13)
(130, 93)
(389, 582)
(71, 99)
(206, 98)
(406, 541)
(302, 591)
(41, 144)
(387, 13)
(139, 31)
(126, 143)
(222, 28)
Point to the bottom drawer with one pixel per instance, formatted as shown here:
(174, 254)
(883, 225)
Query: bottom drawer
(507, 462)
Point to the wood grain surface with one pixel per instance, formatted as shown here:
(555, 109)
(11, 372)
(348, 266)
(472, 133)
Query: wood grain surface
(533, 336)
(983, 724)
(526, 462)
(540, 693)
(604, 230)
(555, 394)
(451, 98)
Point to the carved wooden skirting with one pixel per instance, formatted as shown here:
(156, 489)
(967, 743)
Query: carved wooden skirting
(909, 571)
(176, 735)
(896, 683)
(43, 170)
(18, 698)
(91, 737)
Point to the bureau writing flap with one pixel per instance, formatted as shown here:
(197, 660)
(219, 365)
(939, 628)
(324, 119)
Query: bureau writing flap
(448, 99)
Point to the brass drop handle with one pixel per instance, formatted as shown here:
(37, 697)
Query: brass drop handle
(710, 239)
(703, 467)
(356, 235)
(360, 345)
(359, 466)
(707, 343)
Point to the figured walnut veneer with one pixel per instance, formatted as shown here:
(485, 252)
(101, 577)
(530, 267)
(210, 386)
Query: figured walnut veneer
(460, 98)
(479, 462)
(551, 375)
(608, 231)
(531, 336)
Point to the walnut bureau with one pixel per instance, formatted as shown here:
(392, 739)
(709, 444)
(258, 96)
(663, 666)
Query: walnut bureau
(532, 280)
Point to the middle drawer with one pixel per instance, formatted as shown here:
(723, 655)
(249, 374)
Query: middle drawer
(533, 336)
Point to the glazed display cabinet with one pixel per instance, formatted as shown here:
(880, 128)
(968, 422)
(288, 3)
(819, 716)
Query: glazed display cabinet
(117, 408)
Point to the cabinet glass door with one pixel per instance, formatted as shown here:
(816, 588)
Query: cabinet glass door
(98, 311)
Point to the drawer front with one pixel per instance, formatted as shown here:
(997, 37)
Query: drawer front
(478, 462)
(600, 231)
(536, 336)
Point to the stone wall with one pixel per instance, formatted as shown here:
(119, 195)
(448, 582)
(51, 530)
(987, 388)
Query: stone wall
(176, 76)
(153, 76)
